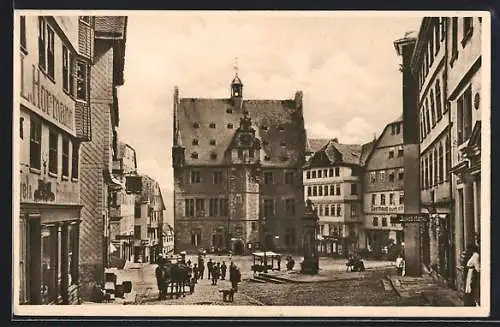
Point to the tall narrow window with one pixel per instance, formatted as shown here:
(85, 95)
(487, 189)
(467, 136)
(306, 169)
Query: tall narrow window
(21, 127)
(467, 113)
(427, 109)
(460, 121)
(433, 111)
(426, 172)
(23, 34)
(431, 50)
(35, 143)
(422, 174)
(53, 136)
(431, 168)
(374, 199)
(75, 155)
(447, 159)
(436, 34)
(200, 207)
(50, 52)
(41, 43)
(81, 80)
(382, 199)
(467, 30)
(65, 157)
(435, 167)
(401, 197)
(66, 70)
(438, 101)
(454, 39)
(440, 163)
(391, 199)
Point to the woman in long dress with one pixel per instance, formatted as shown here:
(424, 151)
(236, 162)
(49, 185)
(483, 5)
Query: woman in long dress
(471, 292)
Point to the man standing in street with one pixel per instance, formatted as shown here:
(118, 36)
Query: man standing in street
(160, 279)
(223, 269)
(234, 276)
(210, 265)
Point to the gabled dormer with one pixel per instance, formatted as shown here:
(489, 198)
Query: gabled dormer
(245, 146)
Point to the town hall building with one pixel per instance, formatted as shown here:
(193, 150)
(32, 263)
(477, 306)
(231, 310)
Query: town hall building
(237, 172)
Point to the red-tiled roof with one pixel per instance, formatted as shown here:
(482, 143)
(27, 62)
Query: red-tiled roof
(278, 124)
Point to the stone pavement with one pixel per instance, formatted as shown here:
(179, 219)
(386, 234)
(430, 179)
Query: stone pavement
(434, 293)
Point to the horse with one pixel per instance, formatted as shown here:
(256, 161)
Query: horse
(176, 275)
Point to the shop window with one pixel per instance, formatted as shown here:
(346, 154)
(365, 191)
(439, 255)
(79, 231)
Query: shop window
(65, 157)
(49, 264)
(53, 138)
(35, 143)
(73, 244)
(82, 80)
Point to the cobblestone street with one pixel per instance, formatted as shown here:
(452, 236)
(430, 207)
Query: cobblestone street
(332, 287)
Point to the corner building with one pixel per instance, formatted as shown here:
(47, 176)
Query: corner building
(383, 192)
(53, 121)
(332, 179)
(237, 172)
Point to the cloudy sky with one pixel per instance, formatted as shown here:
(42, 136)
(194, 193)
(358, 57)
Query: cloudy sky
(347, 68)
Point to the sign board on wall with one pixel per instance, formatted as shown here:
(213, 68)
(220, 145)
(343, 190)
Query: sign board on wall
(46, 98)
(390, 208)
(37, 189)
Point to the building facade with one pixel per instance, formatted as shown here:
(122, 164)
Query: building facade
(237, 172)
(168, 239)
(383, 194)
(53, 122)
(429, 67)
(148, 222)
(122, 204)
(332, 178)
(97, 181)
(463, 97)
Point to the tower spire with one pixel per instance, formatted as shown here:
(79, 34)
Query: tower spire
(235, 66)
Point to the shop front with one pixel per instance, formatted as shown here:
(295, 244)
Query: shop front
(49, 254)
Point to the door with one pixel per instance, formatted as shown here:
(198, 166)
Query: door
(34, 259)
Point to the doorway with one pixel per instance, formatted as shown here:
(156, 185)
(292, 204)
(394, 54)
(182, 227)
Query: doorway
(238, 248)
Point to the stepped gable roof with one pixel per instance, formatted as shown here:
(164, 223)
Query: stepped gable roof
(277, 122)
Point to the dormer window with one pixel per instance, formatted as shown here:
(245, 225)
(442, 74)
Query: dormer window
(212, 125)
(212, 142)
(195, 142)
(230, 126)
(196, 125)
(213, 156)
(267, 158)
(194, 155)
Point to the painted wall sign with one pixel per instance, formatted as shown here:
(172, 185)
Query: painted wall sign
(41, 189)
(46, 98)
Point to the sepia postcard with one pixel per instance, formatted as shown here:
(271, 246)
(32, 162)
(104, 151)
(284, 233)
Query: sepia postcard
(251, 164)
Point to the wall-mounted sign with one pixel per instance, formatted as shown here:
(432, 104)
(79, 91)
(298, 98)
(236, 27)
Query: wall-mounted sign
(46, 98)
(391, 208)
(409, 218)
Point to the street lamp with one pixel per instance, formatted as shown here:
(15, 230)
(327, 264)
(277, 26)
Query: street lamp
(263, 224)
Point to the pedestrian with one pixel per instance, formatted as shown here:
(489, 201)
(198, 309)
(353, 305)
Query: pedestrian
(210, 265)
(218, 269)
(215, 273)
(223, 269)
(400, 265)
(471, 292)
(234, 276)
(188, 263)
(195, 273)
(201, 268)
(279, 263)
(160, 279)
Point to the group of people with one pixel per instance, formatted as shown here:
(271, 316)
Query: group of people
(216, 271)
(354, 263)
